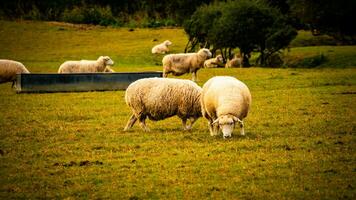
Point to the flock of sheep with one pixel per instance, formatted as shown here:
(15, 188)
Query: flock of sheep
(224, 101)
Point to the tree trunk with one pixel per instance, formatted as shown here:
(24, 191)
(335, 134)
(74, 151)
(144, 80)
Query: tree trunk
(246, 59)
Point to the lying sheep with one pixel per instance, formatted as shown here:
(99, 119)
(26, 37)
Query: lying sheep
(179, 64)
(225, 101)
(86, 66)
(160, 98)
(9, 69)
(214, 62)
(161, 48)
(235, 62)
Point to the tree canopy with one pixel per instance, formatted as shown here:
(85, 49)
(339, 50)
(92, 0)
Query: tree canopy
(247, 25)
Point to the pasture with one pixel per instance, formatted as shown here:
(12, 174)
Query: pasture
(299, 144)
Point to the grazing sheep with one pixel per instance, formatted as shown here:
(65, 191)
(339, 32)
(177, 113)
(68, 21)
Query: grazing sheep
(214, 62)
(179, 64)
(86, 66)
(225, 101)
(108, 69)
(235, 62)
(161, 48)
(9, 69)
(160, 98)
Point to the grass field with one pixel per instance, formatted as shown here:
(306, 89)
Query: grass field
(299, 144)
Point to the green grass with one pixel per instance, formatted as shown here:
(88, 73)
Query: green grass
(299, 143)
(305, 38)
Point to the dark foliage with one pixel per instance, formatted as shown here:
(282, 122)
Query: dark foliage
(148, 13)
(247, 25)
(335, 18)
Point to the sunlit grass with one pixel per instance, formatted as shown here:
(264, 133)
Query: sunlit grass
(299, 141)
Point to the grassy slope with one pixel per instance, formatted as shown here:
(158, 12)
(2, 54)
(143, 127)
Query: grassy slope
(300, 139)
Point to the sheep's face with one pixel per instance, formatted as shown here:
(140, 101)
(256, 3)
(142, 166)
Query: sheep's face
(167, 42)
(226, 124)
(219, 58)
(205, 53)
(108, 60)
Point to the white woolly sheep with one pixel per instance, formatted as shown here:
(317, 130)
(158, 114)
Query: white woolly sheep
(160, 98)
(214, 62)
(9, 69)
(225, 101)
(235, 62)
(179, 64)
(86, 66)
(161, 48)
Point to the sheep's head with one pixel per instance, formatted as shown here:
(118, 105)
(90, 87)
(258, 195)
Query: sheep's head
(219, 58)
(204, 53)
(167, 42)
(227, 124)
(107, 60)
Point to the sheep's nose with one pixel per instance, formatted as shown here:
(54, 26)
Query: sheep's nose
(227, 136)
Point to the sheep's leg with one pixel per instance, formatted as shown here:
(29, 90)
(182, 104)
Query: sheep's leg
(242, 131)
(192, 121)
(13, 84)
(143, 123)
(184, 123)
(165, 74)
(188, 127)
(213, 128)
(216, 129)
(194, 76)
(130, 123)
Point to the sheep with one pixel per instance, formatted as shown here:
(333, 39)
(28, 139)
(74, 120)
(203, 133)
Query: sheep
(224, 102)
(9, 69)
(214, 62)
(86, 66)
(108, 69)
(160, 98)
(161, 48)
(235, 62)
(179, 64)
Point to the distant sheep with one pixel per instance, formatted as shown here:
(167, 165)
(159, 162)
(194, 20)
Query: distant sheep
(108, 69)
(234, 62)
(214, 62)
(9, 69)
(224, 102)
(86, 66)
(161, 48)
(179, 64)
(160, 98)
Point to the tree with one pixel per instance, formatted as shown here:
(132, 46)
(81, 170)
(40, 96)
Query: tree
(247, 25)
(331, 17)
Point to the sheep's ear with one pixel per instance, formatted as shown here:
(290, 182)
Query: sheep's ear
(236, 119)
(216, 121)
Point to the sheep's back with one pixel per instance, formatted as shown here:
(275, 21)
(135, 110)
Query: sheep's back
(9, 69)
(160, 98)
(226, 95)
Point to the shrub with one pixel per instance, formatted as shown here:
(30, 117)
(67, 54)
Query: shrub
(309, 62)
(90, 15)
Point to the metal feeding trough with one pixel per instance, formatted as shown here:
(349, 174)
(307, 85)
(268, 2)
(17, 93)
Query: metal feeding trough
(78, 82)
